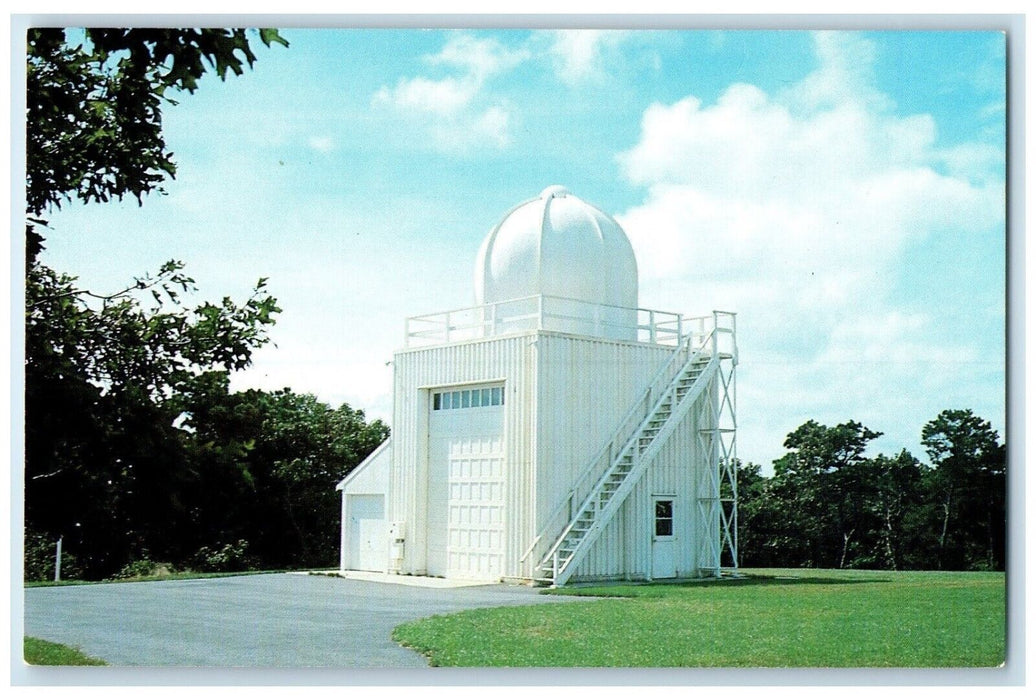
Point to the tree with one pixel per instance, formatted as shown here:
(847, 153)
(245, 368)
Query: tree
(967, 484)
(280, 454)
(104, 388)
(94, 109)
(106, 374)
(894, 501)
(752, 525)
(819, 487)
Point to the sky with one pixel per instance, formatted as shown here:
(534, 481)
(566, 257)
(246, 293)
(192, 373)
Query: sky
(843, 192)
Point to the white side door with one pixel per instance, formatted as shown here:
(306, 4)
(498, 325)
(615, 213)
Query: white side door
(663, 538)
(367, 532)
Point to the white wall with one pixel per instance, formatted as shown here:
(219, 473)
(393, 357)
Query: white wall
(507, 360)
(369, 478)
(565, 396)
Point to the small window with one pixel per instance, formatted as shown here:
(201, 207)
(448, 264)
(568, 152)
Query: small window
(467, 398)
(663, 518)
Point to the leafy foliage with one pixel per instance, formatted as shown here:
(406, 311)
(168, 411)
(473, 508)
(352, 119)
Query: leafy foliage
(968, 485)
(135, 448)
(281, 454)
(136, 569)
(105, 386)
(94, 108)
(40, 559)
(229, 557)
(816, 485)
(829, 505)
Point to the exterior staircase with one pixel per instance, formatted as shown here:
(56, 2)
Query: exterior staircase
(624, 460)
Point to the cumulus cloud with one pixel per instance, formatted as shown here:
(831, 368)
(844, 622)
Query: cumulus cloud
(579, 54)
(798, 210)
(454, 109)
(480, 58)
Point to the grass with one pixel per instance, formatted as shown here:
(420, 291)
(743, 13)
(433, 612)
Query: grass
(771, 618)
(38, 652)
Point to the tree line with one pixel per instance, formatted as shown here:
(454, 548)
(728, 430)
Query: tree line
(828, 505)
(136, 451)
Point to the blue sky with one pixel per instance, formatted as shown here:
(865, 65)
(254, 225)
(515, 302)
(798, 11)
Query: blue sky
(843, 192)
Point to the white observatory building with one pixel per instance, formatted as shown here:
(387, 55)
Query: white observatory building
(554, 432)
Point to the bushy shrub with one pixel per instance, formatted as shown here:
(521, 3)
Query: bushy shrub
(229, 557)
(39, 557)
(138, 568)
(40, 550)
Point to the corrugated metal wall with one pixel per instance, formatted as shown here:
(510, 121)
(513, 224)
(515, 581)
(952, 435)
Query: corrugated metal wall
(624, 548)
(565, 396)
(587, 386)
(510, 360)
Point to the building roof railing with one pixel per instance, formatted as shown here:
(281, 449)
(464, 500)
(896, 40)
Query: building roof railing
(550, 313)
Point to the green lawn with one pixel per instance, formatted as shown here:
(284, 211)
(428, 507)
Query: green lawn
(42, 653)
(772, 618)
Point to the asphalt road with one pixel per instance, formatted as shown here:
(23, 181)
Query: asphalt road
(272, 620)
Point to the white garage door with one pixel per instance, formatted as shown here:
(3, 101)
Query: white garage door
(466, 484)
(367, 534)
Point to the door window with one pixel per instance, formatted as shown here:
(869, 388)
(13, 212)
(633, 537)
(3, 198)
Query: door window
(663, 517)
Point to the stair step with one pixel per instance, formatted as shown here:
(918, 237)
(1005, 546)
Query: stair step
(622, 467)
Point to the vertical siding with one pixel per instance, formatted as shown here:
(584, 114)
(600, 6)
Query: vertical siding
(587, 385)
(624, 548)
(510, 359)
(565, 396)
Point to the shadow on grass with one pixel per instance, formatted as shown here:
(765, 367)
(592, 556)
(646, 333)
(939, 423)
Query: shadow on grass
(634, 588)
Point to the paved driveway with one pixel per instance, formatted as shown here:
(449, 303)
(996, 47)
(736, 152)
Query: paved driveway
(272, 620)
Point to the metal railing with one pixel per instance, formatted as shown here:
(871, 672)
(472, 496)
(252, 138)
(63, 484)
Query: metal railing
(709, 336)
(549, 313)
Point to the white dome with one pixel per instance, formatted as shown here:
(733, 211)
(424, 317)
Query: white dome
(557, 245)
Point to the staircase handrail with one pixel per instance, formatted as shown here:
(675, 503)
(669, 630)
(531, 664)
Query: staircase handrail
(614, 501)
(594, 492)
(626, 431)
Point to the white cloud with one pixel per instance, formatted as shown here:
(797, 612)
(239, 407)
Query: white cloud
(491, 127)
(845, 73)
(454, 109)
(323, 144)
(445, 97)
(580, 54)
(797, 211)
(479, 58)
